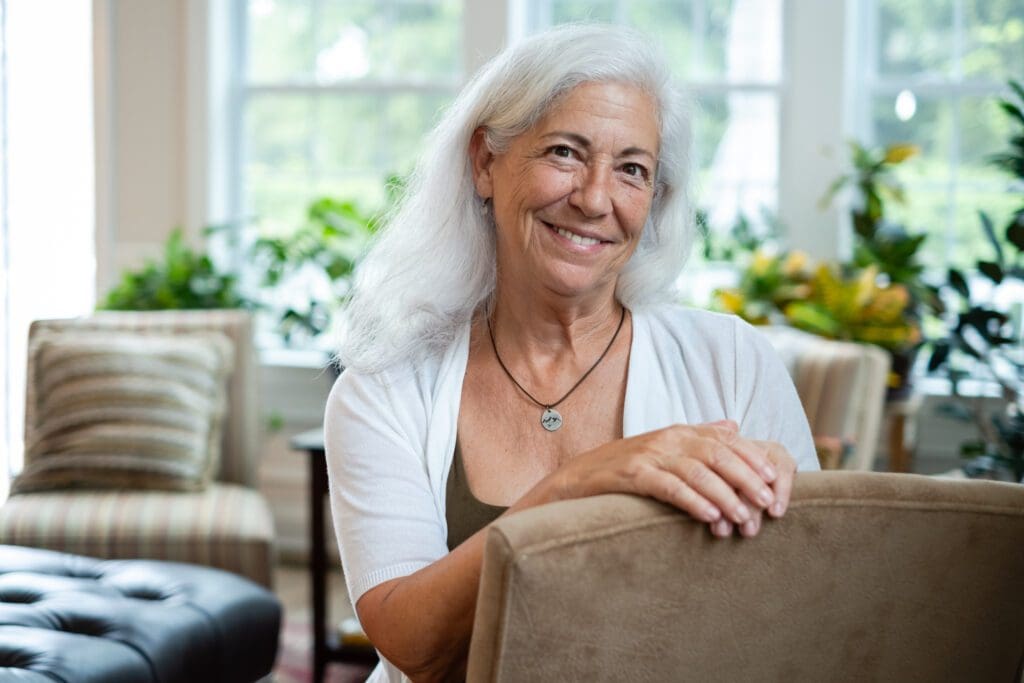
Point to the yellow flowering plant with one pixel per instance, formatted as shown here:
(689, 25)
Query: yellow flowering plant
(767, 284)
(856, 306)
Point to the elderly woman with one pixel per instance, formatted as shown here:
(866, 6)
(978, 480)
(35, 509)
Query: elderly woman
(506, 345)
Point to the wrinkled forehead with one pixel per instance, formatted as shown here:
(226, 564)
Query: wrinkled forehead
(621, 112)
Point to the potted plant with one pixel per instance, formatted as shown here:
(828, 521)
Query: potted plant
(768, 283)
(306, 275)
(856, 305)
(884, 245)
(182, 279)
(982, 340)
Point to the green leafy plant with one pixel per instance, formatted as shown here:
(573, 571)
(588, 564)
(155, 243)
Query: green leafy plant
(877, 241)
(307, 274)
(743, 238)
(183, 278)
(980, 337)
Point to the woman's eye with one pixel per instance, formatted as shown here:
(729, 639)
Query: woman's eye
(635, 170)
(561, 151)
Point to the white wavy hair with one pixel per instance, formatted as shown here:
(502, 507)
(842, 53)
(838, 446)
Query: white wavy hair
(433, 262)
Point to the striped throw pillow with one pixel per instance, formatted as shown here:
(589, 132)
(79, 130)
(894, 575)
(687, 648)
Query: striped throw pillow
(125, 410)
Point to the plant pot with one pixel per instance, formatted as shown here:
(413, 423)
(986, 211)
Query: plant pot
(901, 384)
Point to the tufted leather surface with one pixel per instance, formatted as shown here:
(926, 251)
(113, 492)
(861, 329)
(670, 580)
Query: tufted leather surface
(72, 618)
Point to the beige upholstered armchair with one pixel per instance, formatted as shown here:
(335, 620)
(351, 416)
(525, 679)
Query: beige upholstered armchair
(841, 386)
(219, 519)
(868, 577)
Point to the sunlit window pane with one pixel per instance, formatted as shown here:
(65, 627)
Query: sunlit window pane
(930, 129)
(707, 40)
(338, 97)
(401, 39)
(914, 38)
(742, 41)
(952, 57)
(985, 129)
(280, 40)
(994, 39)
(737, 152)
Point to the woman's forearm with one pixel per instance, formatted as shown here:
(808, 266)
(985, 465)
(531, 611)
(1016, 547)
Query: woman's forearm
(422, 623)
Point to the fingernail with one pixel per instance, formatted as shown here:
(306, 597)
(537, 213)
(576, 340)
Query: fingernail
(769, 473)
(749, 529)
(712, 513)
(776, 509)
(742, 514)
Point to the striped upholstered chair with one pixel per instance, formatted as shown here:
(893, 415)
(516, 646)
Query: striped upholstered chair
(227, 524)
(842, 388)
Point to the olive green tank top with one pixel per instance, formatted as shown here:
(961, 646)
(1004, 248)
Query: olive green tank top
(464, 513)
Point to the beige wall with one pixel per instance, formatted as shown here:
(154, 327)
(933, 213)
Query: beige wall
(148, 88)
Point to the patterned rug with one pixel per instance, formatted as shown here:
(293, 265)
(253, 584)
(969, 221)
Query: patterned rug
(295, 655)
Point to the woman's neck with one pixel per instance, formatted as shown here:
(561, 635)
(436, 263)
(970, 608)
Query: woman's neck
(538, 331)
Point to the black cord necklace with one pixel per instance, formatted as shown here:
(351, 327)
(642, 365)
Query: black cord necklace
(551, 419)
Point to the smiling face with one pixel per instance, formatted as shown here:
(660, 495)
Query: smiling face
(570, 196)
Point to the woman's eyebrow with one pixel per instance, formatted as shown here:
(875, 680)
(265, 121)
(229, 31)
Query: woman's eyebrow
(584, 142)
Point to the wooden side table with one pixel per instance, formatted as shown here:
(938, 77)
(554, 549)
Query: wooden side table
(326, 645)
(901, 417)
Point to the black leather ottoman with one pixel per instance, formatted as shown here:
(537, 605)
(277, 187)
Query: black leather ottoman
(72, 618)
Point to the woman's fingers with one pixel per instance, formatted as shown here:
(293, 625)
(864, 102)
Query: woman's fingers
(668, 488)
(727, 431)
(723, 528)
(785, 464)
(737, 471)
(750, 528)
(725, 473)
(708, 481)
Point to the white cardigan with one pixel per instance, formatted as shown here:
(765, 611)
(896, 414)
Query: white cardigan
(390, 436)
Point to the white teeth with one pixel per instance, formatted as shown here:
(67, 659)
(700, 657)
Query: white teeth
(577, 239)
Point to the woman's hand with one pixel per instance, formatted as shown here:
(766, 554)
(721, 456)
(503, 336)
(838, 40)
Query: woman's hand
(707, 470)
(785, 467)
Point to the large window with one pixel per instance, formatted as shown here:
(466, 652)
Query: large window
(336, 96)
(931, 71)
(728, 54)
(47, 201)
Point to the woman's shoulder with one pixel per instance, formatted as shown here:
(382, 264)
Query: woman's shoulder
(679, 321)
(705, 332)
(417, 380)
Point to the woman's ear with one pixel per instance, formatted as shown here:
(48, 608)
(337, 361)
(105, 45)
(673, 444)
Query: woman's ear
(482, 158)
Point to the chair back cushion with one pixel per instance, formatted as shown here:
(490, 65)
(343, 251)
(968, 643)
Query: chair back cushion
(841, 387)
(239, 438)
(868, 577)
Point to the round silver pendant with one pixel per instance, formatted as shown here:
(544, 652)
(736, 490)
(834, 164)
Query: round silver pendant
(551, 420)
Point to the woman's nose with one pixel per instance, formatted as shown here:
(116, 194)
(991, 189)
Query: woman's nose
(592, 192)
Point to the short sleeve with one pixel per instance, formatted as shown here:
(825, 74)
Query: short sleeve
(385, 515)
(767, 400)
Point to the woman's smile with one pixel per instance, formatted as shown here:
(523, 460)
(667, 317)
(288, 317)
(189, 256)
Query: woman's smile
(577, 240)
